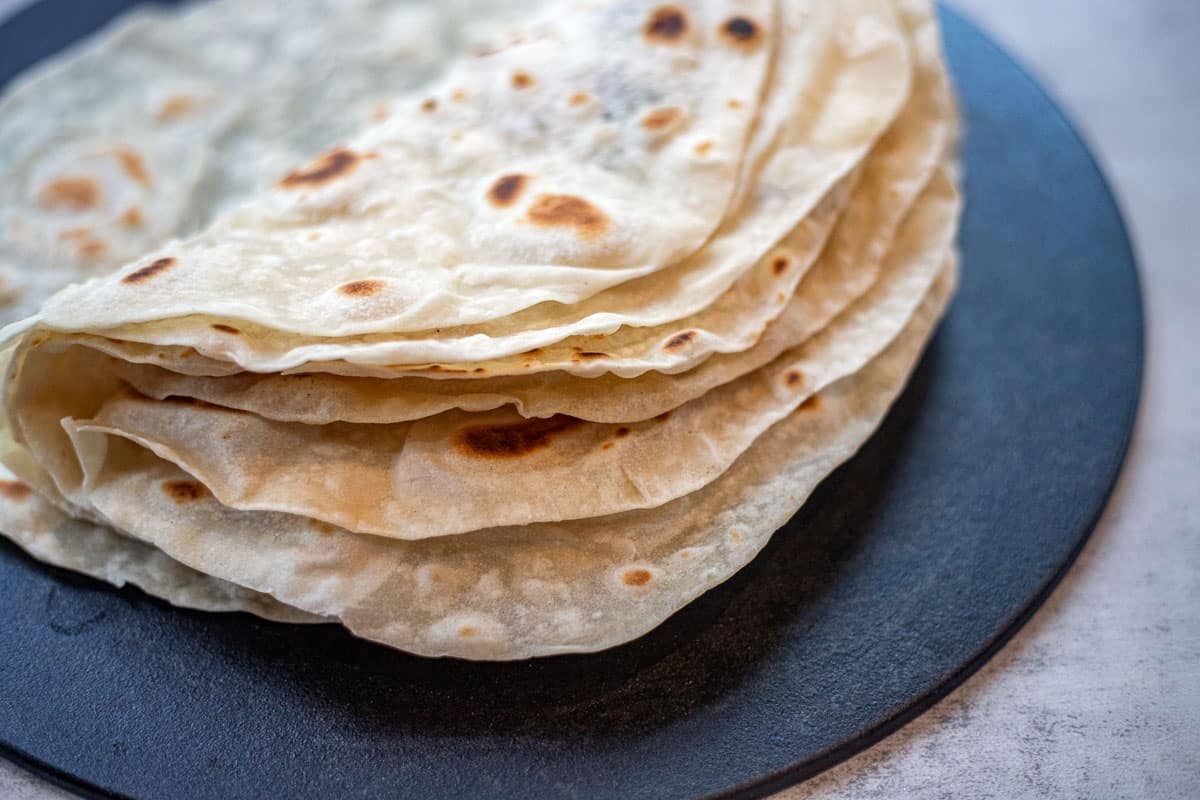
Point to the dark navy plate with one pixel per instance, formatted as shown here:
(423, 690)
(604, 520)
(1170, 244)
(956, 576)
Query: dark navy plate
(905, 572)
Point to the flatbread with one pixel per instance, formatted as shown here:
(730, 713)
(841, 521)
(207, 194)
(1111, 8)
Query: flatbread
(892, 178)
(322, 407)
(500, 469)
(530, 590)
(165, 118)
(862, 90)
(49, 535)
(495, 192)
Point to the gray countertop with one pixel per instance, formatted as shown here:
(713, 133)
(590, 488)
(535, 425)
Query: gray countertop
(1099, 696)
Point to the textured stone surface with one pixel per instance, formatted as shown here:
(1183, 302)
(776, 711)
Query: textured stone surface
(1100, 695)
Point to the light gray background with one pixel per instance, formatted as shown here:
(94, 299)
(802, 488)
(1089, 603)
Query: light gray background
(1099, 696)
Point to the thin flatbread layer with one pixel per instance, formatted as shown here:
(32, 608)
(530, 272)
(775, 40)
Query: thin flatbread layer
(892, 179)
(49, 535)
(543, 172)
(150, 128)
(500, 469)
(857, 105)
(117, 466)
(531, 590)
(892, 176)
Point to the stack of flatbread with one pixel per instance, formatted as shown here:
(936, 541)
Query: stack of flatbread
(544, 345)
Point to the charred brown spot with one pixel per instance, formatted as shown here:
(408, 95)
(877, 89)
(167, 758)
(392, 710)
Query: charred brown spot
(458, 95)
(537, 351)
(428, 105)
(361, 288)
(149, 271)
(794, 377)
(507, 190)
(565, 210)
(467, 632)
(225, 329)
(513, 440)
(134, 167)
(679, 340)
(322, 527)
(587, 355)
(811, 404)
(522, 80)
(87, 246)
(734, 103)
(667, 24)
(14, 490)
(636, 577)
(91, 249)
(579, 99)
(479, 370)
(606, 446)
(621, 432)
(741, 31)
(74, 194)
(332, 165)
(185, 491)
(132, 218)
(663, 417)
(175, 107)
(380, 112)
(660, 119)
(703, 148)
(780, 265)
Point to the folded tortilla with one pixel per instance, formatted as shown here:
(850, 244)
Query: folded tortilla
(167, 117)
(530, 362)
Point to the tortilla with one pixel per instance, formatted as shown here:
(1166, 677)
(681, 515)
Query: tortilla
(530, 590)
(892, 178)
(866, 83)
(492, 193)
(501, 469)
(49, 535)
(165, 118)
(322, 406)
